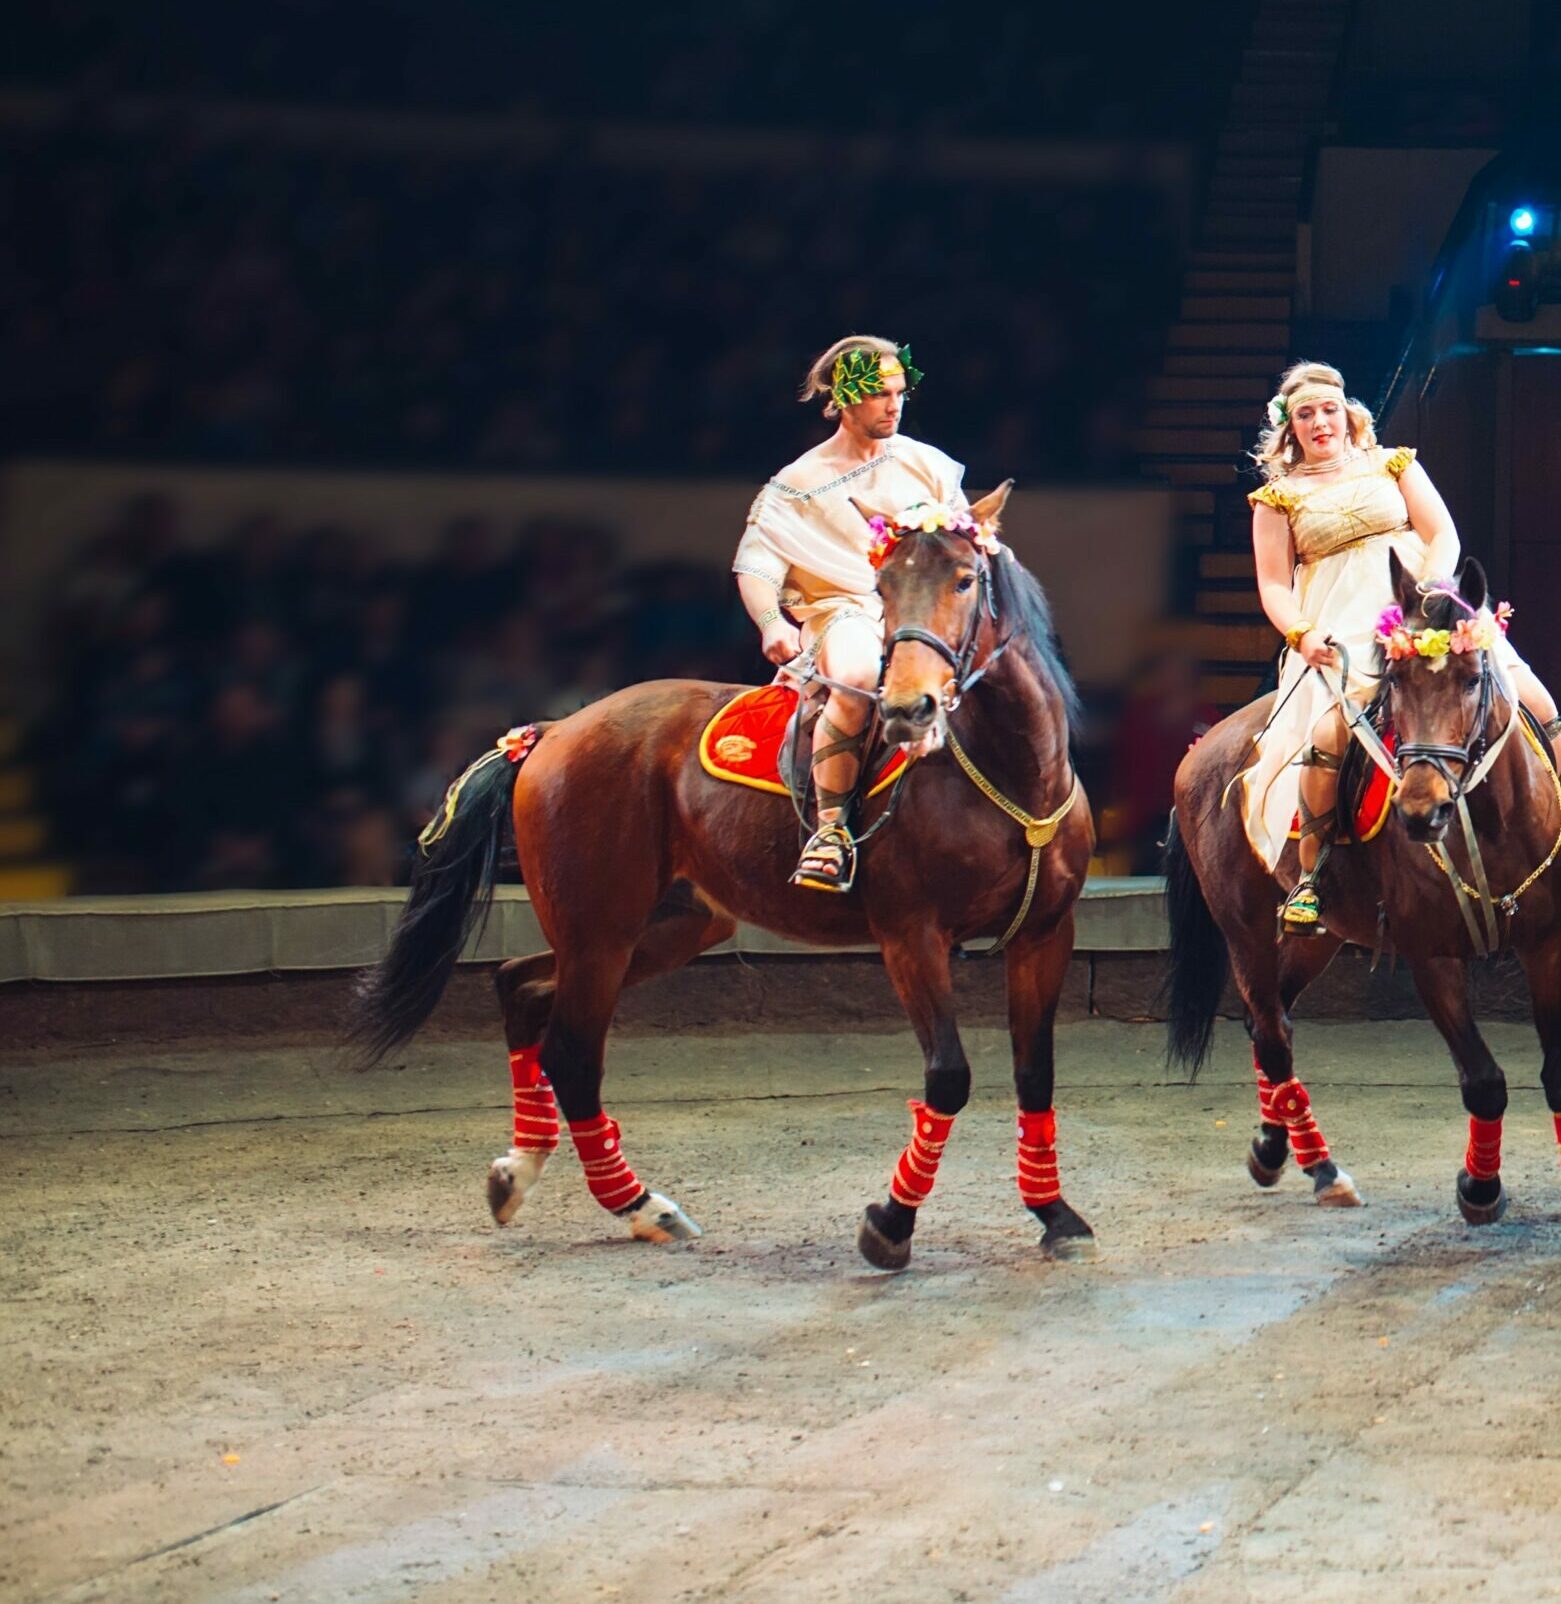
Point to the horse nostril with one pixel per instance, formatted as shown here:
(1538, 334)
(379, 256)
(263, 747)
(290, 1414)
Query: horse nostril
(919, 712)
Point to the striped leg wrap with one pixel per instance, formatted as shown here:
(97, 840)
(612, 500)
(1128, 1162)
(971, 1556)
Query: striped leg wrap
(918, 1166)
(1293, 1109)
(613, 1184)
(1483, 1158)
(1038, 1183)
(536, 1114)
(1265, 1094)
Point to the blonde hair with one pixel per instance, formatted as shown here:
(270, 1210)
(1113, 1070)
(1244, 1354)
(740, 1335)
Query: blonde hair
(1278, 450)
(821, 375)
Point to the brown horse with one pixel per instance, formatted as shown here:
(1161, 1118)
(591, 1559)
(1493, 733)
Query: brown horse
(637, 860)
(1448, 715)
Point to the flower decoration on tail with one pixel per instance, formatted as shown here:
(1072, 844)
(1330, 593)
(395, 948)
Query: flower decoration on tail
(516, 744)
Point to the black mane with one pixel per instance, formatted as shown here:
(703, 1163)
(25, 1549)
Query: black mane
(1022, 608)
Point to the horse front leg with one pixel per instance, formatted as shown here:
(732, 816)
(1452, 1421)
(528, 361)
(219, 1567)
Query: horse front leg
(1037, 968)
(1543, 967)
(918, 965)
(1443, 984)
(1270, 976)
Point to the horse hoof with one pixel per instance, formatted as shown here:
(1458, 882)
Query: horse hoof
(1481, 1213)
(1339, 1193)
(659, 1219)
(878, 1250)
(1069, 1249)
(1259, 1171)
(509, 1179)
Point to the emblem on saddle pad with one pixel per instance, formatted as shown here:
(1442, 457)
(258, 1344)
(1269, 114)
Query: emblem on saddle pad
(735, 748)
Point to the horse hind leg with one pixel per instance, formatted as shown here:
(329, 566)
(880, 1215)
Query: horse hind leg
(681, 927)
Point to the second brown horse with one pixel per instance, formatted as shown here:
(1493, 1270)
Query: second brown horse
(636, 861)
(1447, 715)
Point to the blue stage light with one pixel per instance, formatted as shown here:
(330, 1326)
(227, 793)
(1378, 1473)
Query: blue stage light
(1522, 220)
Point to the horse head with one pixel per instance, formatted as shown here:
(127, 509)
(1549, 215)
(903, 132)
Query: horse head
(935, 578)
(1439, 679)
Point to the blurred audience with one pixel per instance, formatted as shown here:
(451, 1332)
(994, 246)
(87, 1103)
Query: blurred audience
(177, 291)
(280, 709)
(1163, 714)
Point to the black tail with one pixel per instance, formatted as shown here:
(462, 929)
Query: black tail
(452, 893)
(1199, 960)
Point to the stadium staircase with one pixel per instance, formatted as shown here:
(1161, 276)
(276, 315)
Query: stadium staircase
(1234, 332)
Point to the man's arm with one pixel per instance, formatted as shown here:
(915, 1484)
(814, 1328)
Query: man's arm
(779, 639)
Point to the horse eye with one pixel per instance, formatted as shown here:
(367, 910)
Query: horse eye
(964, 583)
(1470, 686)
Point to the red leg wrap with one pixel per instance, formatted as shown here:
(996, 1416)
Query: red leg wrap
(613, 1184)
(1265, 1095)
(536, 1114)
(1038, 1181)
(918, 1166)
(1557, 1119)
(1483, 1158)
(1293, 1109)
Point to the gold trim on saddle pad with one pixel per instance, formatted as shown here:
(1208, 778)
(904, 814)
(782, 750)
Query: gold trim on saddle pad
(717, 750)
(1371, 835)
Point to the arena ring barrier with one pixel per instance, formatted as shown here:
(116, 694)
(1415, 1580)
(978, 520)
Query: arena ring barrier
(204, 934)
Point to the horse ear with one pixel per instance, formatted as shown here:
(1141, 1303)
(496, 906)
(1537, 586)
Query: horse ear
(1473, 585)
(989, 509)
(1402, 584)
(868, 513)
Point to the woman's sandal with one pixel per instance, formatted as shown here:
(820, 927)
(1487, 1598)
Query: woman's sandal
(828, 861)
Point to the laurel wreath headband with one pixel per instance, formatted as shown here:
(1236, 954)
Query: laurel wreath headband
(859, 374)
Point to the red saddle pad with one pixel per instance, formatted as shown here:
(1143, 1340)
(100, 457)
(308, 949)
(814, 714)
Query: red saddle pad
(1375, 801)
(742, 742)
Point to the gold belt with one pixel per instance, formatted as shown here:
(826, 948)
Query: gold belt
(1304, 560)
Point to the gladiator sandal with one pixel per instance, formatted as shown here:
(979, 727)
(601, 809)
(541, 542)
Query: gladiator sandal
(1301, 912)
(828, 861)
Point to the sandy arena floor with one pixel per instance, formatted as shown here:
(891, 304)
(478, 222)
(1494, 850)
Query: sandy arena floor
(261, 1340)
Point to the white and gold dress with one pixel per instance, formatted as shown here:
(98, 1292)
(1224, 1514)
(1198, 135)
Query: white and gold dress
(1343, 528)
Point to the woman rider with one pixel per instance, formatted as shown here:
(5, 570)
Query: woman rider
(1335, 504)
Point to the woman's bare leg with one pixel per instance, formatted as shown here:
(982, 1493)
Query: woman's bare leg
(1320, 785)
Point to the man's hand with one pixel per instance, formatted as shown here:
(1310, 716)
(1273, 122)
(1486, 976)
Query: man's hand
(781, 641)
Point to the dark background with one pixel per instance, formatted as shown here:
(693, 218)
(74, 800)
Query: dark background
(546, 243)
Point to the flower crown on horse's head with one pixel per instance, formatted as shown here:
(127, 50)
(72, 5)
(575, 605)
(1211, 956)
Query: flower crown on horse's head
(859, 374)
(927, 518)
(1479, 632)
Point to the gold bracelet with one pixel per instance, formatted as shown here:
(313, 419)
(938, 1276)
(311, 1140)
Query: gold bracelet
(767, 617)
(1302, 626)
